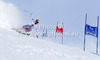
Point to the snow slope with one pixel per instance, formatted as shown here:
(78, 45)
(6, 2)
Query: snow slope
(14, 46)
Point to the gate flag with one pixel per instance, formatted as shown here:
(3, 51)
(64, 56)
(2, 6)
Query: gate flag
(59, 30)
(90, 30)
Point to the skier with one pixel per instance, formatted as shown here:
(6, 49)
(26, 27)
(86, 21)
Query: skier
(27, 28)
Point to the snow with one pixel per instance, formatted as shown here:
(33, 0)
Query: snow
(10, 15)
(15, 46)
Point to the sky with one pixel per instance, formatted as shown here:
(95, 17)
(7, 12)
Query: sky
(70, 12)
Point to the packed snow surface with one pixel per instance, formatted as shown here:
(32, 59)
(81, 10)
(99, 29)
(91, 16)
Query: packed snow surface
(15, 46)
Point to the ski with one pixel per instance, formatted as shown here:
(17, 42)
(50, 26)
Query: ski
(23, 33)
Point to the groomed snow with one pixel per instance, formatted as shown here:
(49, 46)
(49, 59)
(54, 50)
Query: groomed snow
(14, 46)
